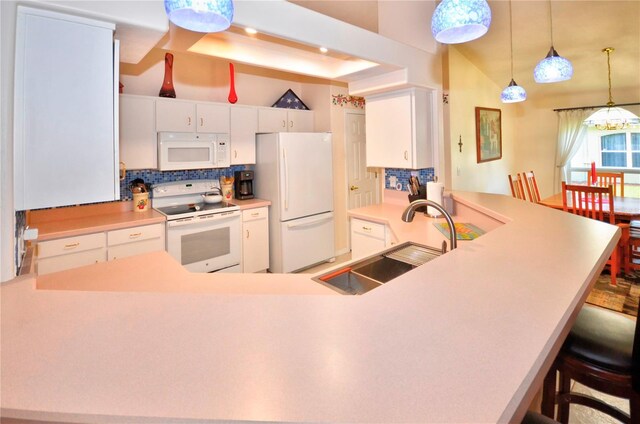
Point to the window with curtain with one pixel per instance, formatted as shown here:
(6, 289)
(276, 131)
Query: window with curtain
(620, 149)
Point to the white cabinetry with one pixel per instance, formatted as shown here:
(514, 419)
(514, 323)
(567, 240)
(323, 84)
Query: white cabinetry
(72, 252)
(401, 127)
(368, 237)
(275, 119)
(184, 116)
(244, 125)
(135, 240)
(255, 239)
(138, 140)
(65, 142)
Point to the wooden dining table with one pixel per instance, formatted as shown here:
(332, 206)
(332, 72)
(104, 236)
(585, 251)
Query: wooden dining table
(626, 208)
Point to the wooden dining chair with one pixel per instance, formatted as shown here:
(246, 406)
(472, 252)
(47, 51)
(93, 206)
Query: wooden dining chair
(602, 352)
(590, 202)
(532, 186)
(604, 179)
(517, 189)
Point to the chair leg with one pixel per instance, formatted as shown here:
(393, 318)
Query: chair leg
(615, 266)
(549, 393)
(563, 406)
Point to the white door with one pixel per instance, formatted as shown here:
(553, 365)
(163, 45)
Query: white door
(306, 174)
(363, 182)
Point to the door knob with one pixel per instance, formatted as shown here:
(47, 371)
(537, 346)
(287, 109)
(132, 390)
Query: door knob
(353, 187)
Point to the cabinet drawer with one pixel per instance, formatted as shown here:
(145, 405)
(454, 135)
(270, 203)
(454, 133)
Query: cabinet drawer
(69, 245)
(70, 260)
(137, 248)
(372, 229)
(252, 214)
(134, 234)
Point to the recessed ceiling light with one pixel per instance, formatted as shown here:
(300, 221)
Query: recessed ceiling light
(323, 49)
(250, 31)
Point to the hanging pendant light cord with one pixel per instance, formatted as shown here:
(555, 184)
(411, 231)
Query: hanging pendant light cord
(511, 37)
(551, 22)
(608, 50)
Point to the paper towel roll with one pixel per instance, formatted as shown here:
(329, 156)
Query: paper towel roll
(434, 193)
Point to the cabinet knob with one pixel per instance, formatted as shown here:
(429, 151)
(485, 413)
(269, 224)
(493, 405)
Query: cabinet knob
(235, 153)
(284, 124)
(135, 235)
(290, 124)
(247, 233)
(72, 245)
(201, 122)
(189, 121)
(352, 188)
(406, 155)
(366, 228)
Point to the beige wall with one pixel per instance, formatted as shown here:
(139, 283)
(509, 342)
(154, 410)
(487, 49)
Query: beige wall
(468, 88)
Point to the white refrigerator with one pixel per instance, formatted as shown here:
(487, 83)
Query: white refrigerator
(294, 171)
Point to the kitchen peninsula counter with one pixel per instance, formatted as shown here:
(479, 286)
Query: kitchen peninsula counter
(467, 337)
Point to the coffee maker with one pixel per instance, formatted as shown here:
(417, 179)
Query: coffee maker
(243, 182)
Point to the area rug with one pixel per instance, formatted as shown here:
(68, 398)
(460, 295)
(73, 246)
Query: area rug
(623, 297)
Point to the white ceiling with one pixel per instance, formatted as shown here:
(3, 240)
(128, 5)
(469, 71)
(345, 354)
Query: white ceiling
(581, 29)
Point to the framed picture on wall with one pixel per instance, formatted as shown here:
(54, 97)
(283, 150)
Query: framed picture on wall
(488, 134)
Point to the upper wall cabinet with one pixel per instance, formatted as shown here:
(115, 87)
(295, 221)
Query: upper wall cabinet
(138, 140)
(244, 125)
(184, 116)
(65, 138)
(400, 129)
(272, 119)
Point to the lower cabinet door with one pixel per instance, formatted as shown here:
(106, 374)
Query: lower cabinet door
(70, 260)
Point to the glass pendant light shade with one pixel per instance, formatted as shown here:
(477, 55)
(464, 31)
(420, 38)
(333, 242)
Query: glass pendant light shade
(553, 68)
(612, 118)
(200, 15)
(513, 93)
(459, 21)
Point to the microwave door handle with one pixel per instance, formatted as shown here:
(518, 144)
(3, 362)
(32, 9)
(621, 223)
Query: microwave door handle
(286, 180)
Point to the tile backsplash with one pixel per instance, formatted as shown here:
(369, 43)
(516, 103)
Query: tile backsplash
(402, 177)
(153, 176)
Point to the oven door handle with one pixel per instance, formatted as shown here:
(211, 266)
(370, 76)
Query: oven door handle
(204, 219)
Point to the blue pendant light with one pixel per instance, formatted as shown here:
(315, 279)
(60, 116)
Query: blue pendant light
(553, 68)
(459, 21)
(513, 93)
(200, 15)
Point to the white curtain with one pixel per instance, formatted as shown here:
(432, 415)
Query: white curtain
(571, 133)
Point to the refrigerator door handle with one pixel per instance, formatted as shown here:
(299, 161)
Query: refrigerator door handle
(307, 223)
(286, 179)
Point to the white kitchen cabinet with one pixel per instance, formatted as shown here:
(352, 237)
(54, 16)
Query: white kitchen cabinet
(400, 128)
(273, 119)
(244, 125)
(70, 252)
(138, 139)
(186, 116)
(135, 240)
(175, 115)
(368, 237)
(212, 118)
(255, 239)
(66, 109)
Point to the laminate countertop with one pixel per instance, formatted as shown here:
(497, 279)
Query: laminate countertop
(465, 338)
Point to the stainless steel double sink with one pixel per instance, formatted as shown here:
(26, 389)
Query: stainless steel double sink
(371, 272)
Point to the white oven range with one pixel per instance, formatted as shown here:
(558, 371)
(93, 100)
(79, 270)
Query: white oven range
(203, 237)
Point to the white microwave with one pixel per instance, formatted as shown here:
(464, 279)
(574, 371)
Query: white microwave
(178, 151)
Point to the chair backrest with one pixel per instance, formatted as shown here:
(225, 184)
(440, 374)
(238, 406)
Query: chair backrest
(604, 179)
(591, 202)
(517, 189)
(532, 187)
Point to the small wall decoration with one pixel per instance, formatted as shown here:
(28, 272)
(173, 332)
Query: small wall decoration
(488, 134)
(233, 97)
(167, 89)
(289, 100)
(342, 99)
